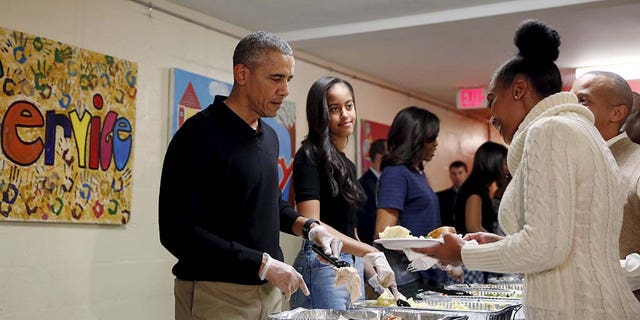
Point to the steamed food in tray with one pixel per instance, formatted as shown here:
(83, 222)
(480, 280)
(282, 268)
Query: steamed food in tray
(442, 305)
(473, 308)
(469, 304)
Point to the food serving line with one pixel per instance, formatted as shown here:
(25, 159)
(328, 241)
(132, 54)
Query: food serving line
(501, 299)
(485, 302)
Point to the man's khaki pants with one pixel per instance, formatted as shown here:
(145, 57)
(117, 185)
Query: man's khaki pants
(206, 300)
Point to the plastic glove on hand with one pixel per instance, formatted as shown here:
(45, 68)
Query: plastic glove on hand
(456, 273)
(283, 276)
(368, 269)
(401, 300)
(385, 274)
(373, 282)
(321, 236)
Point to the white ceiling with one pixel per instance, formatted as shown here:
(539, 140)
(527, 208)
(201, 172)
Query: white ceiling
(434, 47)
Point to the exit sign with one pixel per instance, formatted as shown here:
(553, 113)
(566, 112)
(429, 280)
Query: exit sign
(471, 98)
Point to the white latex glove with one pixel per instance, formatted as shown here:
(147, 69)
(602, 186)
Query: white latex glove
(386, 277)
(371, 276)
(396, 294)
(456, 273)
(321, 236)
(283, 276)
(373, 282)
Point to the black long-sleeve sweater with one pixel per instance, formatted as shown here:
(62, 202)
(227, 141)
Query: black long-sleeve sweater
(220, 206)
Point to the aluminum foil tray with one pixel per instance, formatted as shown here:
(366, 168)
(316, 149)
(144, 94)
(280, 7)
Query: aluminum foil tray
(503, 286)
(486, 291)
(473, 308)
(507, 279)
(364, 314)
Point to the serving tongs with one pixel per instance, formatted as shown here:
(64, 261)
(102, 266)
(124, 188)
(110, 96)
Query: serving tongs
(331, 259)
(399, 297)
(449, 292)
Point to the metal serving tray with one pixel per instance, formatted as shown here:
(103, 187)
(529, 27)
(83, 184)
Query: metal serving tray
(503, 286)
(473, 308)
(507, 279)
(362, 314)
(487, 291)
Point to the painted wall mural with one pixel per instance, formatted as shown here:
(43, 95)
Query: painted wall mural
(68, 120)
(370, 131)
(189, 92)
(192, 92)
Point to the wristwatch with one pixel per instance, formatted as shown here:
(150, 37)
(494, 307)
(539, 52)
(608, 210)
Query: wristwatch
(307, 227)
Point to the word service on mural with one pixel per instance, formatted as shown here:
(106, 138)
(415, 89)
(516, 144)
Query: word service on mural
(68, 118)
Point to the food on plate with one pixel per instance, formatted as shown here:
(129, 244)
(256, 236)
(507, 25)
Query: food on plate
(349, 278)
(391, 317)
(393, 232)
(438, 232)
(400, 232)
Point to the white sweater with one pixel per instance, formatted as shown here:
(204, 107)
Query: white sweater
(562, 212)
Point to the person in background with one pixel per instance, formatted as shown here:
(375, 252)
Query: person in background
(474, 211)
(369, 180)
(562, 211)
(404, 195)
(224, 230)
(498, 191)
(447, 198)
(632, 125)
(327, 189)
(609, 97)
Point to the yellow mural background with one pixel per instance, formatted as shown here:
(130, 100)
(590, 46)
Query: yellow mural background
(77, 86)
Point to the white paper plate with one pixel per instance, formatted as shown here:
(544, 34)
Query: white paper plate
(406, 243)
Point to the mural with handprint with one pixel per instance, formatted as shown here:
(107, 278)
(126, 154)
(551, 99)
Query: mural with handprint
(67, 118)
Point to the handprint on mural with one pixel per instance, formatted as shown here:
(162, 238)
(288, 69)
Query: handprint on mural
(10, 191)
(68, 124)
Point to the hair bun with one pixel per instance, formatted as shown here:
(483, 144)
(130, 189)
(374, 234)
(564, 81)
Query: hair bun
(537, 41)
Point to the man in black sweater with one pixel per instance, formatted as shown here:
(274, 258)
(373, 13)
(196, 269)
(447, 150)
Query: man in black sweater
(220, 208)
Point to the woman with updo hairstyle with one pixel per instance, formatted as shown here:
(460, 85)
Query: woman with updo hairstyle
(562, 210)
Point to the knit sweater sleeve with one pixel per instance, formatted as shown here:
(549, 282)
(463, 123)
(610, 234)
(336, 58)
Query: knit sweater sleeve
(546, 182)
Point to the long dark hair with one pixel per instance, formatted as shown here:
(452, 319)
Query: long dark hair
(318, 142)
(411, 128)
(488, 165)
(537, 50)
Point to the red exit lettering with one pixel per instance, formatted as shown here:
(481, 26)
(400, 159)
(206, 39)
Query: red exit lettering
(472, 98)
